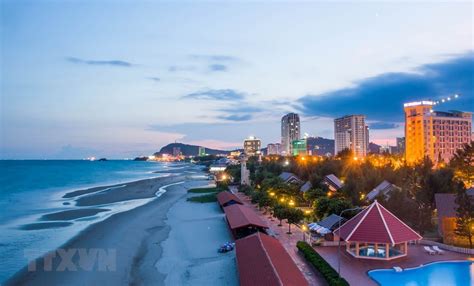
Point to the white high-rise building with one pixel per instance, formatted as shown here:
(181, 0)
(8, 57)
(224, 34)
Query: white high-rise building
(290, 131)
(350, 132)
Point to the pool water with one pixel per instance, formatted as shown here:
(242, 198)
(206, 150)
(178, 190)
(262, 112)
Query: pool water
(445, 273)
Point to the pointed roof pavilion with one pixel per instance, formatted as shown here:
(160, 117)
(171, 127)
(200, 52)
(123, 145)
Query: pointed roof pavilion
(377, 234)
(376, 224)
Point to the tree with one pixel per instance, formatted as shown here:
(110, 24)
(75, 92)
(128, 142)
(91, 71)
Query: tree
(294, 216)
(264, 200)
(280, 212)
(326, 206)
(463, 164)
(464, 216)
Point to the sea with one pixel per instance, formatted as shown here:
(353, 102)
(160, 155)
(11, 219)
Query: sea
(32, 188)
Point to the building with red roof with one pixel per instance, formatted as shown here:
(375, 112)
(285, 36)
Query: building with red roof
(376, 233)
(262, 261)
(227, 198)
(243, 221)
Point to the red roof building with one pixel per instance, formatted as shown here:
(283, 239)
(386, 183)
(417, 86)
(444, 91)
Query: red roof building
(226, 199)
(376, 233)
(262, 261)
(243, 221)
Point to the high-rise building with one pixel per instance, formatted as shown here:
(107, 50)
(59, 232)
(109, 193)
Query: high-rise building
(274, 149)
(401, 145)
(434, 134)
(299, 147)
(350, 132)
(202, 151)
(252, 146)
(290, 131)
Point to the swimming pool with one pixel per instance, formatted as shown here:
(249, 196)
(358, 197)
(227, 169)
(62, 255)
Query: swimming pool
(444, 273)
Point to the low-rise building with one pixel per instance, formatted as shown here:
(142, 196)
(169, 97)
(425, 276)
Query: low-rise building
(288, 177)
(446, 209)
(383, 189)
(333, 182)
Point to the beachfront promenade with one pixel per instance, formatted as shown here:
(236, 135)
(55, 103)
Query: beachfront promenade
(352, 269)
(288, 242)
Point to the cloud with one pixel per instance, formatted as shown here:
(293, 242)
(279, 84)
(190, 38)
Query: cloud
(215, 58)
(383, 125)
(381, 97)
(177, 68)
(153, 78)
(116, 63)
(217, 67)
(236, 117)
(216, 94)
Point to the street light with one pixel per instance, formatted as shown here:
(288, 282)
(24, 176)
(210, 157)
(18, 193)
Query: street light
(304, 228)
(339, 242)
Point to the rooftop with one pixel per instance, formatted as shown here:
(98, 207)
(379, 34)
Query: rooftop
(226, 197)
(241, 216)
(263, 261)
(376, 224)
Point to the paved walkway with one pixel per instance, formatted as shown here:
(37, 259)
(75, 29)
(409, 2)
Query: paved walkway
(288, 242)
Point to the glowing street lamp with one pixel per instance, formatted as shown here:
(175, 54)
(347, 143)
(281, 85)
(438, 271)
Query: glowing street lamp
(291, 203)
(272, 194)
(304, 229)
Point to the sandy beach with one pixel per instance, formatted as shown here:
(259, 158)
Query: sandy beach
(167, 241)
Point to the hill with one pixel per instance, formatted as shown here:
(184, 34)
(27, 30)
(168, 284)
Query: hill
(188, 150)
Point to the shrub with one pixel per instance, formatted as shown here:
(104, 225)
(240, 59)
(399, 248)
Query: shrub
(205, 190)
(207, 198)
(329, 274)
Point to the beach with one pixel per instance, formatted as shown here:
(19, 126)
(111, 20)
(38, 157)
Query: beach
(165, 241)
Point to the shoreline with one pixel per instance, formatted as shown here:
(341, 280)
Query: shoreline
(137, 236)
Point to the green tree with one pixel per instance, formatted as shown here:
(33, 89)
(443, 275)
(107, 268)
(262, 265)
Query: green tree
(464, 216)
(294, 216)
(280, 212)
(463, 164)
(326, 206)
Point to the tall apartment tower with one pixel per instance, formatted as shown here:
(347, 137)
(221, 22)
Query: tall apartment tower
(252, 146)
(290, 131)
(434, 134)
(350, 132)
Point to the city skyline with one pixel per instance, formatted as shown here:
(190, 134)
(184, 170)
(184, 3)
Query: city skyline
(84, 78)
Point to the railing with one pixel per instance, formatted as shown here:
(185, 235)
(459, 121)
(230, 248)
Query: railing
(448, 247)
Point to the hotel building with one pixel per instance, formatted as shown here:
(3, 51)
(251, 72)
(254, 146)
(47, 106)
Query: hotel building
(290, 131)
(434, 134)
(350, 132)
(252, 146)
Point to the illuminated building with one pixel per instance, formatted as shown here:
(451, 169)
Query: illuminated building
(202, 151)
(299, 147)
(290, 131)
(252, 146)
(434, 134)
(274, 149)
(350, 132)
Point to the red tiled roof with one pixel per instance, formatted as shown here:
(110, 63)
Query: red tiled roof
(262, 261)
(225, 197)
(376, 224)
(240, 216)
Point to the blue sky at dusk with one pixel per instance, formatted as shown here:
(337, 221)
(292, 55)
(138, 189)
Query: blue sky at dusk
(98, 78)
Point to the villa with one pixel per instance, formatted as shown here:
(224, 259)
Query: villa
(333, 182)
(383, 189)
(262, 260)
(306, 187)
(376, 233)
(288, 177)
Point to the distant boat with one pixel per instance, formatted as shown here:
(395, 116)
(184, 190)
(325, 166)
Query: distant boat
(102, 159)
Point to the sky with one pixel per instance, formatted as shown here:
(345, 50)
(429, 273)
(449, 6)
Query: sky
(122, 79)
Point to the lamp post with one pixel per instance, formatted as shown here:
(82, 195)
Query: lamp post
(339, 241)
(304, 228)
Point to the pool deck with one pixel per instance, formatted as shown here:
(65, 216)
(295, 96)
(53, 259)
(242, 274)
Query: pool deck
(354, 270)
